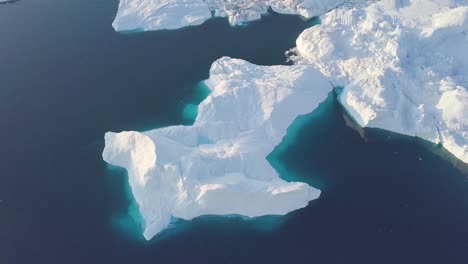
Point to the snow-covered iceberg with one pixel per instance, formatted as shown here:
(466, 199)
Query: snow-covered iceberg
(403, 66)
(172, 14)
(218, 165)
(402, 63)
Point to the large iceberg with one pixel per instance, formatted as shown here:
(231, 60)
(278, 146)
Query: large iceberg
(218, 165)
(403, 66)
(172, 14)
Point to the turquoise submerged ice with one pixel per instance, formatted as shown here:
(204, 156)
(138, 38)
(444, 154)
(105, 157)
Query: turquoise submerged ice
(173, 172)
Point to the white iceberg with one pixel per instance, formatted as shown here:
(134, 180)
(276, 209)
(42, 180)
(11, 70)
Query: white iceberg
(403, 66)
(402, 63)
(218, 165)
(172, 14)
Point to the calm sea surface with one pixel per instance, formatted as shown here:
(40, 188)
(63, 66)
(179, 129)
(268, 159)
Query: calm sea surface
(66, 78)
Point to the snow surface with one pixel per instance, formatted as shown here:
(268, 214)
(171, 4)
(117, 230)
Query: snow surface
(172, 14)
(403, 65)
(174, 172)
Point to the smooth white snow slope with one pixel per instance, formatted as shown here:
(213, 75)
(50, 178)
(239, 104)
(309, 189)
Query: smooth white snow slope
(403, 65)
(172, 14)
(174, 173)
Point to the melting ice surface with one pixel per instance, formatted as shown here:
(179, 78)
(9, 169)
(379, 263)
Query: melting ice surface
(218, 165)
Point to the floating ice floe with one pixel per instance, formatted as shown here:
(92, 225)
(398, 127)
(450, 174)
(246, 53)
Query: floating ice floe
(403, 66)
(218, 165)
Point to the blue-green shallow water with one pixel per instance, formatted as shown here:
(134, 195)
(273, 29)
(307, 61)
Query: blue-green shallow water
(66, 78)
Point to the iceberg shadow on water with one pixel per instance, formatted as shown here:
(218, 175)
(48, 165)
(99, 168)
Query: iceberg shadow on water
(382, 135)
(373, 134)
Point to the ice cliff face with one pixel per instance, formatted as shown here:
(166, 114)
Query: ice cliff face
(172, 14)
(403, 66)
(218, 166)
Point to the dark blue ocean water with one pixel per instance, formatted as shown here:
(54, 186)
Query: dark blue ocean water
(66, 78)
